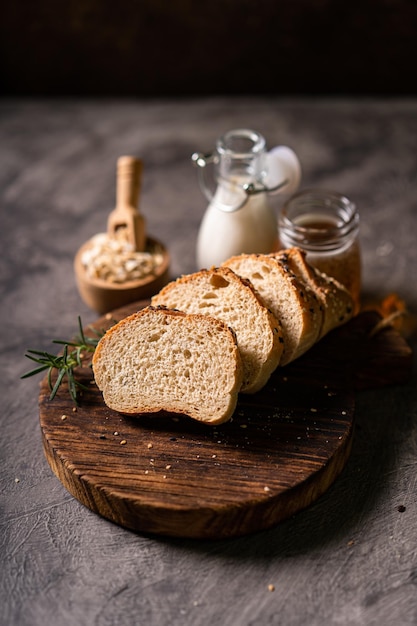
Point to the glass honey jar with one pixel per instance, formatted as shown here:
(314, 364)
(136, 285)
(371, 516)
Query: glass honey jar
(324, 224)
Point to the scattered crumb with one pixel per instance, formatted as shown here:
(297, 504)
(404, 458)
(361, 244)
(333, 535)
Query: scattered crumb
(271, 587)
(351, 543)
(214, 456)
(17, 480)
(64, 417)
(266, 489)
(243, 425)
(123, 442)
(115, 433)
(313, 410)
(150, 445)
(168, 467)
(74, 409)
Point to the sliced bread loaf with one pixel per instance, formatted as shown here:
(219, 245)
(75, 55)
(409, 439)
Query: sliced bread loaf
(220, 293)
(163, 360)
(290, 300)
(336, 301)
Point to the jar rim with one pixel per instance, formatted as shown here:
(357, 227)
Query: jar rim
(247, 143)
(326, 203)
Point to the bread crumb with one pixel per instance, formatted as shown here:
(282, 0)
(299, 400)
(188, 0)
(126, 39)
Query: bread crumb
(64, 417)
(123, 442)
(17, 480)
(266, 489)
(168, 467)
(271, 587)
(150, 445)
(115, 433)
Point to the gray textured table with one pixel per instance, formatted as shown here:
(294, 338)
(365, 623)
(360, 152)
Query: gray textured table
(351, 558)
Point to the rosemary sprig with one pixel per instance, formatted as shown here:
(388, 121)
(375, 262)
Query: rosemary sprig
(64, 364)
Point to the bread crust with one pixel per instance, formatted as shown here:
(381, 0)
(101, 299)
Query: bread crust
(336, 301)
(290, 300)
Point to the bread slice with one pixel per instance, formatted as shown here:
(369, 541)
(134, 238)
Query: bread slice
(162, 360)
(290, 300)
(219, 292)
(336, 301)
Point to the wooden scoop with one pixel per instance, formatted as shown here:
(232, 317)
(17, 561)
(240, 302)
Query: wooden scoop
(126, 214)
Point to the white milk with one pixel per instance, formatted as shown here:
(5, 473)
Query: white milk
(251, 228)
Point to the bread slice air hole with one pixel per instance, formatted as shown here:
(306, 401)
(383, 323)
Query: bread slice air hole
(219, 282)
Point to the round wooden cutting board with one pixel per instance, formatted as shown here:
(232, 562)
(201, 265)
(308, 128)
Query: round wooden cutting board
(171, 475)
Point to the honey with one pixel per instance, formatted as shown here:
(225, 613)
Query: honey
(325, 225)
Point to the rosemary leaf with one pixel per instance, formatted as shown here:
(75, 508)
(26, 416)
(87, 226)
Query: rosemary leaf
(64, 364)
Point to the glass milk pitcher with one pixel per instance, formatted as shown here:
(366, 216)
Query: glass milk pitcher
(239, 218)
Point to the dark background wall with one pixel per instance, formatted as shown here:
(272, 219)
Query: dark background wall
(186, 47)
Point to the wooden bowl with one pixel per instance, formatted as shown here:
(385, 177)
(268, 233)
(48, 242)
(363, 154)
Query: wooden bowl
(102, 296)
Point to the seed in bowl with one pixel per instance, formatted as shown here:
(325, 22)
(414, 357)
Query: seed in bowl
(115, 261)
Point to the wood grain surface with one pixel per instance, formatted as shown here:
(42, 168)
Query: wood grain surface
(283, 448)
